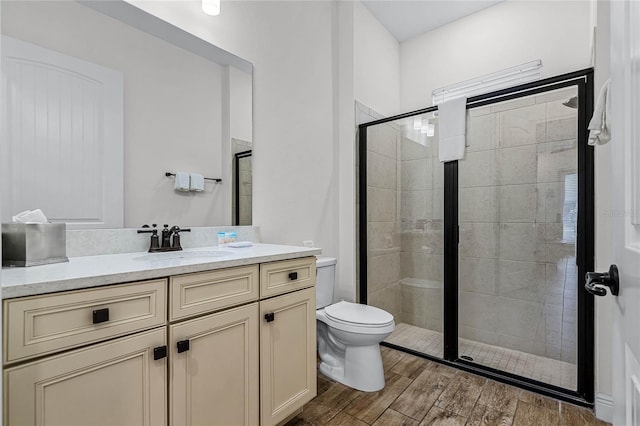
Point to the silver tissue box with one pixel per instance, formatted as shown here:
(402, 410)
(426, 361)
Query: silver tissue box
(31, 244)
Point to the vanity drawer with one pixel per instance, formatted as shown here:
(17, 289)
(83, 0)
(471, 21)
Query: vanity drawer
(201, 292)
(287, 275)
(44, 324)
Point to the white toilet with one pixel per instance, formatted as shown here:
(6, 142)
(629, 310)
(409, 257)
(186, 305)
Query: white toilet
(349, 334)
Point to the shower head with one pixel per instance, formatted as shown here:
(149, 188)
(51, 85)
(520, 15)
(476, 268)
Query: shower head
(571, 103)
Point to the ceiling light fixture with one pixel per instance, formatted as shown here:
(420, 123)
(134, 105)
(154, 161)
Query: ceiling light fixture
(211, 7)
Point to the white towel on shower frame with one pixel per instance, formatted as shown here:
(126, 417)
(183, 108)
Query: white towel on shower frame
(453, 122)
(599, 131)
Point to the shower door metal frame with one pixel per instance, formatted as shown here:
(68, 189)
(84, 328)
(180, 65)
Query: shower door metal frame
(236, 162)
(584, 394)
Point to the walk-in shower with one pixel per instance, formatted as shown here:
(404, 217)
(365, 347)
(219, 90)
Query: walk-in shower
(479, 260)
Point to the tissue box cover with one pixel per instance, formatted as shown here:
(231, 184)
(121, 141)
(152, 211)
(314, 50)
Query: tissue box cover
(31, 244)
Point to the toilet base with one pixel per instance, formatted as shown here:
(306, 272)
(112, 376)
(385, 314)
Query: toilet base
(362, 368)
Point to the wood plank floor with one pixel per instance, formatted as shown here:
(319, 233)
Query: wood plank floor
(419, 392)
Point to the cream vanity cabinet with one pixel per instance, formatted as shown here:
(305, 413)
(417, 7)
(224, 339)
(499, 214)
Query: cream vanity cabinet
(232, 346)
(74, 380)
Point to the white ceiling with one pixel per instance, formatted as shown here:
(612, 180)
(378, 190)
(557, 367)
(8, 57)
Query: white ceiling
(406, 19)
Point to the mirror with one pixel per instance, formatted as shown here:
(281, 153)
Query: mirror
(102, 101)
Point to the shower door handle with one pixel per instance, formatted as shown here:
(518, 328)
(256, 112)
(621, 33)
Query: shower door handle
(596, 283)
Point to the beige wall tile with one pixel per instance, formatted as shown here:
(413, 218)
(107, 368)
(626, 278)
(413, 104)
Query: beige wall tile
(478, 240)
(478, 275)
(562, 129)
(382, 271)
(381, 205)
(437, 174)
(422, 266)
(387, 299)
(416, 174)
(516, 343)
(517, 241)
(517, 165)
(521, 126)
(479, 204)
(411, 150)
(381, 171)
(479, 311)
(477, 169)
(521, 280)
(517, 203)
(482, 132)
(382, 236)
(557, 159)
(479, 335)
(423, 241)
(517, 318)
(415, 205)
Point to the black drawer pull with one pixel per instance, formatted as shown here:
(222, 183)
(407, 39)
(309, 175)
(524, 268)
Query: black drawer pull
(100, 315)
(293, 276)
(270, 316)
(159, 352)
(183, 346)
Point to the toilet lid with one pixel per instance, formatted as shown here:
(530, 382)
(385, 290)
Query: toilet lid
(358, 314)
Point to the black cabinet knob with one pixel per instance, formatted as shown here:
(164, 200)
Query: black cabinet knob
(270, 316)
(293, 276)
(159, 352)
(183, 346)
(100, 315)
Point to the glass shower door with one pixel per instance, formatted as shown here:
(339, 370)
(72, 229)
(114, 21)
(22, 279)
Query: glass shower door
(404, 240)
(518, 206)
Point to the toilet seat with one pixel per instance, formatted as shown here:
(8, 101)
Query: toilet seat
(357, 318)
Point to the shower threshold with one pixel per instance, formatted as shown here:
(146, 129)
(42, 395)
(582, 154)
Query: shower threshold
(543, 369)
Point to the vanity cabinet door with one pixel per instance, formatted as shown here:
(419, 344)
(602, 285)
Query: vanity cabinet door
(114, 383)
(214, 369)
(287, 354)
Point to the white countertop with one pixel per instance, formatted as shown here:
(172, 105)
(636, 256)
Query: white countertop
(93, 271)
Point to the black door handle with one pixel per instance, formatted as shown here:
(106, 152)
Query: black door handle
(596, 282)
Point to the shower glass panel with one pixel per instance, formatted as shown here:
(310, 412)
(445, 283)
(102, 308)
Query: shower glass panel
(517, 199)
(405, 230)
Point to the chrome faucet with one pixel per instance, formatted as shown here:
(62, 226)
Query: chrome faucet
(166, 244)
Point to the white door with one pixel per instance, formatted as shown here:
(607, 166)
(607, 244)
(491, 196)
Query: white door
(62, 140)
(625, 209)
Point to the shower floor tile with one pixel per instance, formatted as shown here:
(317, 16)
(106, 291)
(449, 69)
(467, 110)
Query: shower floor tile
(534, 367)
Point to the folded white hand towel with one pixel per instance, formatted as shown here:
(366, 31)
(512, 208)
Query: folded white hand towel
(181, 182)
(452, 120)
(197, 182)
(599, 131)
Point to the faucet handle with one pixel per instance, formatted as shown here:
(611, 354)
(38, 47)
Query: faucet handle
(175, 230)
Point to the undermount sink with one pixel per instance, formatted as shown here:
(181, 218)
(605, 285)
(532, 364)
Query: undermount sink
(196, 254)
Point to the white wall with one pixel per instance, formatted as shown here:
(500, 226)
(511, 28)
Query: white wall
(172, 120)
(507, 34)
(376, 63)
(240, 104)
(290, 46)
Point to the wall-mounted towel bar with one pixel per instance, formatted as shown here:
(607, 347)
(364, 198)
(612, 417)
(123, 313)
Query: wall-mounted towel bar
(216, 180)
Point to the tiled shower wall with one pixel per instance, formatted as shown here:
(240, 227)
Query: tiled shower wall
(421, 214)
(383, 242)
(517, 277)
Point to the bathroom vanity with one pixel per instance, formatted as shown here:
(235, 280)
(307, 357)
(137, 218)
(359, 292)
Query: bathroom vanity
(209, 336)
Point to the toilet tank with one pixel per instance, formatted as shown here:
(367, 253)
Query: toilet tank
(325, 280)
